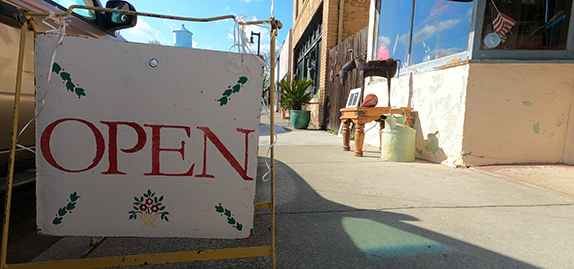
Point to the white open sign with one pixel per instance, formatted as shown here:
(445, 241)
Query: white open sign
(145, 140)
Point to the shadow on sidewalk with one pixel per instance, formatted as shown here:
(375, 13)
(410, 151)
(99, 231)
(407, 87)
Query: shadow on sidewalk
(313, 232)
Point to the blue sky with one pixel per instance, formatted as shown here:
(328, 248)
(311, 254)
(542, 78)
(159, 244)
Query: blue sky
(208, 35)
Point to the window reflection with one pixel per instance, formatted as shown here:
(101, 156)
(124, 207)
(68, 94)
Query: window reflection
(394, 30)
(88, 14)
(526, 24)
(441, 28)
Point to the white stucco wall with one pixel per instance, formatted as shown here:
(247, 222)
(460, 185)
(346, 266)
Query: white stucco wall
(487, 113)
(439, 98)
(517, 113)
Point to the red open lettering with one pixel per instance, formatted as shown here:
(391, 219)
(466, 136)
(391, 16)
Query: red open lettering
(225, 152)
(155, 149)
(47, 152)
(113, 144)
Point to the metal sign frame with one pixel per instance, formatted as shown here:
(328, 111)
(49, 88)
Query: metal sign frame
(158, 258)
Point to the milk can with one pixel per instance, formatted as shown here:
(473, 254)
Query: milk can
(397, 140)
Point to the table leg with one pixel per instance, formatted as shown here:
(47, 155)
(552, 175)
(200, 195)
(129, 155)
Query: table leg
(346, 135)
(380, 139)
(359, 138)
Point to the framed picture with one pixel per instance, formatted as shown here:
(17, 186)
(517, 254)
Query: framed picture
(353, 98)
(352, 101)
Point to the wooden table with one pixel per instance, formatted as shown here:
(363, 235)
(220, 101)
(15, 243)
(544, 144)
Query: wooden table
(361, 115)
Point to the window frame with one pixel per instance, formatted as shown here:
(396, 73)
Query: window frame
(474, 53)
(95, 22)
(479, 55)
(310, 41)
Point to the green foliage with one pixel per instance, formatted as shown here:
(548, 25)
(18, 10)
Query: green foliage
(332, 132)
(230, 90)
(66, 209)
(295, 95)
(56, 68)
(230, 219)
(57, 220)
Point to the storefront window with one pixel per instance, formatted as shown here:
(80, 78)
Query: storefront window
(526, 24)
(394, 30)
(441, 28)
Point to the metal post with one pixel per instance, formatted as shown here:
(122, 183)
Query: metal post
(258, 40)
(271, 141)
(18, 90)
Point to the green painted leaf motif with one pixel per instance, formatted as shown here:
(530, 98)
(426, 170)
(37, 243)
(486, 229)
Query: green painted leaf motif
(236, 88)
(137, 209)
(155, 200)
(227, 213)
(145, 195)
(239, 227)
(70, 86)
(141, 199)
(135, 216)
(161, 198)
(137, 200)
(219, 209)
(57, 221)
(74, 196)
(70, 206)
(223, 101)
(166, 219)
(56, 68)
(162, 208)
(131, 216)
(242, 80)
(80, 92)
(227, 92)
(231, 221)
(65, 76)
(148, 192)
(62, 211)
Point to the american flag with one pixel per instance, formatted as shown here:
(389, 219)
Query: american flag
(501, 22)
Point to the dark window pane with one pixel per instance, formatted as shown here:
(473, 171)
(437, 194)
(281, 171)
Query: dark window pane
(394, 30)
(526, 24)
(441, 28)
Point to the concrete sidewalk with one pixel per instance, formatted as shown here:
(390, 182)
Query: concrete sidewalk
(335, 210)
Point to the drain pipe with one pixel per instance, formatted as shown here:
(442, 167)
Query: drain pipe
(341, 9)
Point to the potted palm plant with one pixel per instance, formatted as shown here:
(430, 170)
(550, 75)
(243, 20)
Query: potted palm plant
(293, 97)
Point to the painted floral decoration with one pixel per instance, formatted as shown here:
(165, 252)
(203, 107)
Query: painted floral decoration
(149, 204)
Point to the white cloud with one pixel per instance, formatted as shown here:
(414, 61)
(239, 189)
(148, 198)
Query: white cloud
(447, 51)
(193, 44)
(429, 30)
(385, 40)
(144, 33)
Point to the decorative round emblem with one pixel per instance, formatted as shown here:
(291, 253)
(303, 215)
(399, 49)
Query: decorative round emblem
(492, 40)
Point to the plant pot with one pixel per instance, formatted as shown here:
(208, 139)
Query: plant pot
(284, 114)
(300, 118)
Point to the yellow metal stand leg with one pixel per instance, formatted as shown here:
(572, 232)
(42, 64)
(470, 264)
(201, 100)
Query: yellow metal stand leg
(13, 146)
(271, 141)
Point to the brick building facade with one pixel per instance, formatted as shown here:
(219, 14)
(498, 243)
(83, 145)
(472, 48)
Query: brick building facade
(318, 26)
